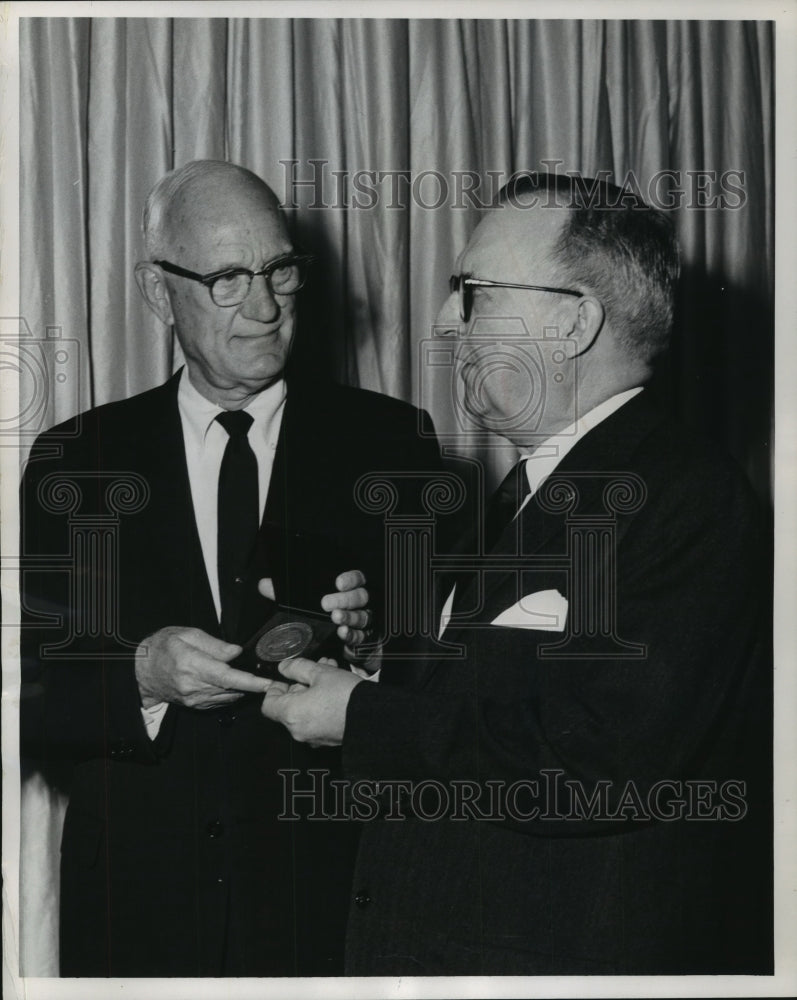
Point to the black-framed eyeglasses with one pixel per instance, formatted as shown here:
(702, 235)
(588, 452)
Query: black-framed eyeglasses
(229, 287)
(465, 283)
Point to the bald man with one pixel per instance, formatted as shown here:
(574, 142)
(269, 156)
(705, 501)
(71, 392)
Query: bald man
(175, 861)
(586, 789)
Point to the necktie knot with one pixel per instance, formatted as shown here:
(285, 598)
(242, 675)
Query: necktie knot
(505, 503)
(236, 422)
(515, 486)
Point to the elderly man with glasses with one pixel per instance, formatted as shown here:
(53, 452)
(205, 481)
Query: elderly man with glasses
(576, 779)
(240, 503)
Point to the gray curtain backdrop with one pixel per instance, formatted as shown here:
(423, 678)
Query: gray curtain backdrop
(446, 110)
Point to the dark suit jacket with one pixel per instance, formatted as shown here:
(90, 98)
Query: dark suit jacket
(624, 886)
(173, 860)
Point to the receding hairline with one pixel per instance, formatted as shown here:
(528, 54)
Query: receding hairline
(174, 187)
(551, 217)
(508, 230)
(616, 244)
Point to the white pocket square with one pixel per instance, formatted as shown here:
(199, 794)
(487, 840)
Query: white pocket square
(545, 610)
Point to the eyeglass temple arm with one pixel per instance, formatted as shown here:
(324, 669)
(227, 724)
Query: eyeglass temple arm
(486, 283)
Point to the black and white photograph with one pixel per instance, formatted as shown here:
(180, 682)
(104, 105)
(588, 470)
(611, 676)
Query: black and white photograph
(398, 527)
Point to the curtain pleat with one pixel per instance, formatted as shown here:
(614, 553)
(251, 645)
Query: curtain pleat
(199, 89)
(445, 123)
(261, 97)
(129, 140)
(54, 209)
(382, 138)
(441, 108)
(636, 90)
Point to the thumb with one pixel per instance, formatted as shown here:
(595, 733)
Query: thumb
(272, 704)
(301, 670)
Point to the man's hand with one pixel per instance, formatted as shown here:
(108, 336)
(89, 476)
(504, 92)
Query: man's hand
(186, 666)
(348, 608)
(313, 708)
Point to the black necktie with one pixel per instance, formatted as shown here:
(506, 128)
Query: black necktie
(501, 509)
(238, 515)
(505, 503)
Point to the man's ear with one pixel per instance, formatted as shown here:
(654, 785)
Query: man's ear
(585, 325)
(152, 285)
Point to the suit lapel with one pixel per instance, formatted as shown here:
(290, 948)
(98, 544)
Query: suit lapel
(275, 552)
(575, 487)
(269, 553)
(167, 473)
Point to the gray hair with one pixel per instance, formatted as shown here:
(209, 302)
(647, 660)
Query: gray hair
(161, 197)
(619, 247)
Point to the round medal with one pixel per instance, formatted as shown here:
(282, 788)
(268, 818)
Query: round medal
(282, 641)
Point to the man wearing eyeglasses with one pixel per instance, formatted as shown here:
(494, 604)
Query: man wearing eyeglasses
(581, 786)
(174, 858)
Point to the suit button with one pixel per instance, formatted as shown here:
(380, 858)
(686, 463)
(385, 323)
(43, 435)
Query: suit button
(226, 720)
(362, 899)
(215, 829)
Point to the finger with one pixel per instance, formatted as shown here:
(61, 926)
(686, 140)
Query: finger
(345, 599)
(350, 579)
(215, 698)
(238, 680)
(218, 649)
(280, 686)
(198, 671)
(274, 703)
(298, 669)
(328, 661)
(351, 636)
(355, 619)
(266, 588)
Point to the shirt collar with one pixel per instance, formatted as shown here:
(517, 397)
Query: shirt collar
(201, 412)
(552, 450)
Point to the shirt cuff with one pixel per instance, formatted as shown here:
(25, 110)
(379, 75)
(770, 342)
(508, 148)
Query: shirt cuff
(367, 675)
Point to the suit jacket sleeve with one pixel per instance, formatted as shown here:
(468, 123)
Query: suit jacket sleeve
(689, 588)
(83, 697)
(80, 696)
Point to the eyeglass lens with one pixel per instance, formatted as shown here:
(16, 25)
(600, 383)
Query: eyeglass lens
(231, 289)
(458, 284)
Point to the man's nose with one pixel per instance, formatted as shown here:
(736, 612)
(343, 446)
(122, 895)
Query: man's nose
(448, 320)
(260, 303)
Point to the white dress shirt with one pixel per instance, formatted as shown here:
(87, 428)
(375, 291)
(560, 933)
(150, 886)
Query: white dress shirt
(205, 441)
(547, 456)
